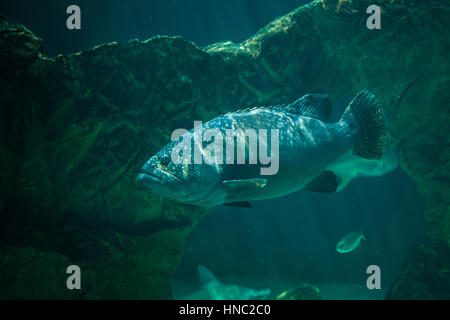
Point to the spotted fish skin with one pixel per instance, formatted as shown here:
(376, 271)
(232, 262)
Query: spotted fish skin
(307, 144)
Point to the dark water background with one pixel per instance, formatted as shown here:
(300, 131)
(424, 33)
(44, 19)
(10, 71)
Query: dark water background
(201, 21)
(291, 237)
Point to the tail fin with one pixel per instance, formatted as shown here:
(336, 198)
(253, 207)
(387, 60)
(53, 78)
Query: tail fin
(365, 114)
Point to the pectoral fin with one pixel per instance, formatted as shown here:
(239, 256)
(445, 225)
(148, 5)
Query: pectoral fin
(237, 187)
(326, 182)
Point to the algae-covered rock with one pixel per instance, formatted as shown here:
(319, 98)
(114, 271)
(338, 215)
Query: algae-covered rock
(75, 129)
(303, 292)
(18, 47)
(426, 274)
(29, 274)
(72, 140)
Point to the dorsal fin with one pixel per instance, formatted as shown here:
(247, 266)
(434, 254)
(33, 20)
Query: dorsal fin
(205, 276)
(280, 107)
(312, 105)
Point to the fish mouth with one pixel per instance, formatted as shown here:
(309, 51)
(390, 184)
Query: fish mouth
(145, 178)
(155, 176)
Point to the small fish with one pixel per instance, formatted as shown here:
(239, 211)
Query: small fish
(350, 242)
(302, 145)
(213, 289)
(349, 167)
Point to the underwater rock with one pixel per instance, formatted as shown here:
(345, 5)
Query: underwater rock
(23, 270)
(71, 144)
(18, 46)
(304, 292)
(426, 274)
(75, 129)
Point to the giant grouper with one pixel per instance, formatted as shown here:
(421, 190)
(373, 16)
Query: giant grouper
(301, 147)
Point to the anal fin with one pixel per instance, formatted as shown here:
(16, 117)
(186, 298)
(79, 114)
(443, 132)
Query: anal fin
(238, 189)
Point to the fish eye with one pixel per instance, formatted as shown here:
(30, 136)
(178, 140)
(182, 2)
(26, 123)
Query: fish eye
(165, 160)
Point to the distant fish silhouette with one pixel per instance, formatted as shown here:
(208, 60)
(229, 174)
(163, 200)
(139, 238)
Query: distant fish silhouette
(349, 167)
(213, 289)
(350, 242)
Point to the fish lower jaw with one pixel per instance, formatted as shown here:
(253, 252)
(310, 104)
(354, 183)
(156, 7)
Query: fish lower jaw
(145, 179)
